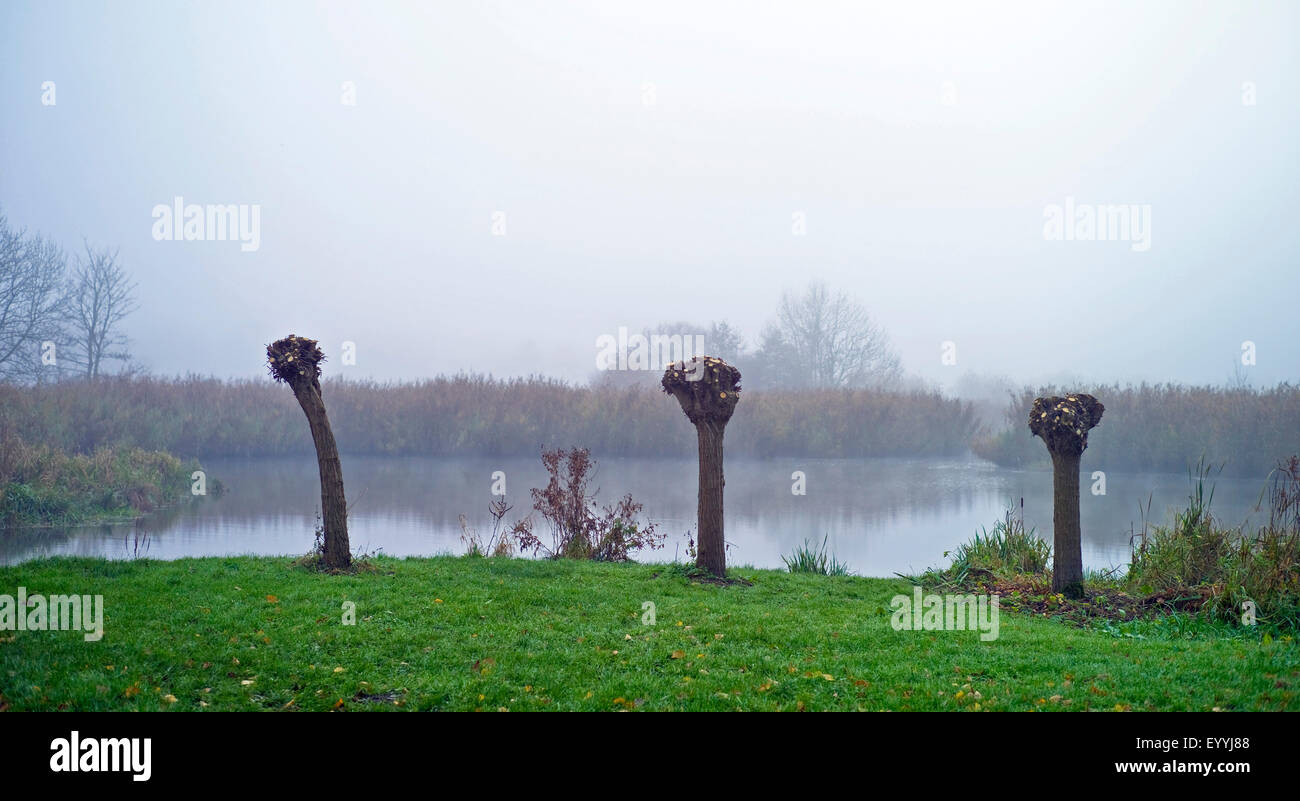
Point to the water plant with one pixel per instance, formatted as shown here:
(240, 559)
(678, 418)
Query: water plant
(809, 558)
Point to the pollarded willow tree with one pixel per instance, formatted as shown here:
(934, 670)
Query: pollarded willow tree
(707, 389)
(296, 361)
(1063, 425)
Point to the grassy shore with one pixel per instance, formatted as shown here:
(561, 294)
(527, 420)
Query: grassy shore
(461, 633)
(44, 486)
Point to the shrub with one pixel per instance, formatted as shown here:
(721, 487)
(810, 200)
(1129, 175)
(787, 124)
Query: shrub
(578, 528)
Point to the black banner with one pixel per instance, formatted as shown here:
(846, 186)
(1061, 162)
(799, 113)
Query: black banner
(137, 752)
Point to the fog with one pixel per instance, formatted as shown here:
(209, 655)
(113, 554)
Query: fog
(492, 187)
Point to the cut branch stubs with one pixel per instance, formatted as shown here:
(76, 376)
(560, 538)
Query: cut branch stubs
(296, 361)
(707, 389)
(1063, 424)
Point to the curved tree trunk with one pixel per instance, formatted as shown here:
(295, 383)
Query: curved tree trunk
(1067, 556)
(334, 508)
(712, 549)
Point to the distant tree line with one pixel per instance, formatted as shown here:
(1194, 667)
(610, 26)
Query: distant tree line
(56, 320)
(818, 339)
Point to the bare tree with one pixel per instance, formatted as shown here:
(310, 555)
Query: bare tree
(101, 296)
(666, 343)
(826, 339)
(32, 275)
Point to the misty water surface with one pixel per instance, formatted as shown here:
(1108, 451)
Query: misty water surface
(881, 515)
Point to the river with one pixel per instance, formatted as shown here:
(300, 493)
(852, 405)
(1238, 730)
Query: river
(881, 516)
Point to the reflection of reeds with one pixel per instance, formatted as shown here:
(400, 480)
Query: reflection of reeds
(473, 415)
(1168, 427)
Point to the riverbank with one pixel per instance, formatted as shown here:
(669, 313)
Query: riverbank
(461, 633)
(44, 486)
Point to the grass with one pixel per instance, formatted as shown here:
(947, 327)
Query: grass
(1227, 567)
(809, 558)
(1008, 550)
(43, 486)
(1193, 577)
(455, 633)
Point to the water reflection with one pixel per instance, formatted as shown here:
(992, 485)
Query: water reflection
(880, 515)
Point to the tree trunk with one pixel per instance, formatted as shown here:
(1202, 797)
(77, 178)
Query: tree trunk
(1067, 557)
(711, 553)
(334, 508)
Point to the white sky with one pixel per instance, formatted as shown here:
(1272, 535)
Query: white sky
(376, 220)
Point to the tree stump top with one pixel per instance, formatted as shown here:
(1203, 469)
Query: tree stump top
(294, 359)
(1063, 423)
(706, 387)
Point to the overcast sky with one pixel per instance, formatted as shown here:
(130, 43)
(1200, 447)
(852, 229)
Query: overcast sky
(650, 161)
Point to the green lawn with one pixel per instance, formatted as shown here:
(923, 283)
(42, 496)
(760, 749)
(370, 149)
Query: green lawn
(461, 633)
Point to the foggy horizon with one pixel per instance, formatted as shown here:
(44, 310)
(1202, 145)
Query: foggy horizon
(662, 162)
